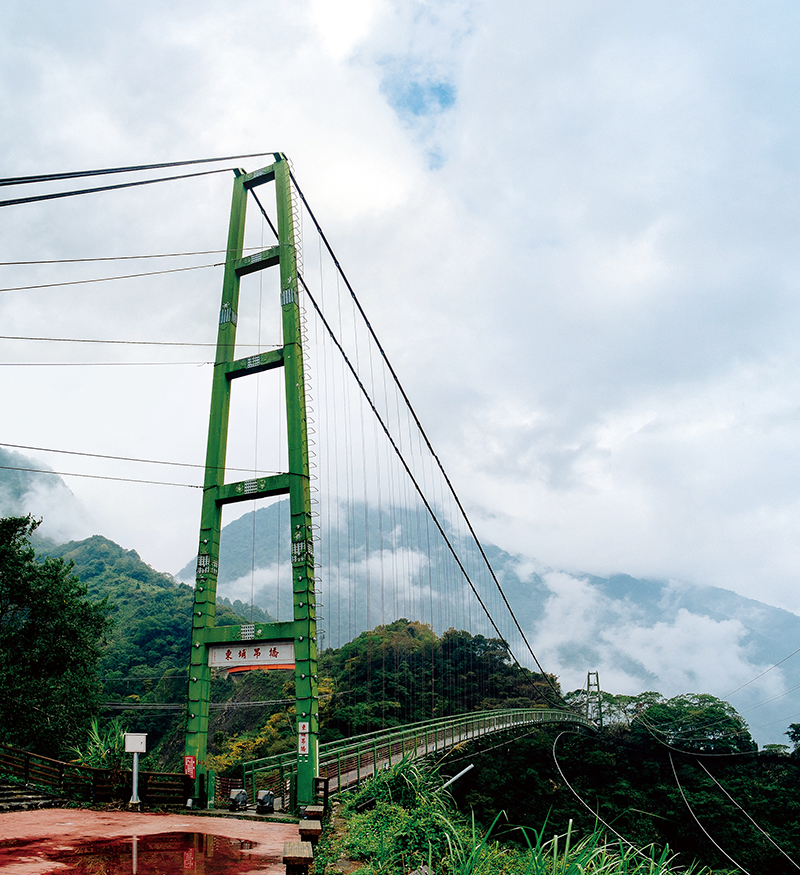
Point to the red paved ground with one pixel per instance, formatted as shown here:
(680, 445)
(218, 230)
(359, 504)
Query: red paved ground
(57, 829)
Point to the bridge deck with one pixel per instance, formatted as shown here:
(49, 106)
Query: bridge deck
(347, 763)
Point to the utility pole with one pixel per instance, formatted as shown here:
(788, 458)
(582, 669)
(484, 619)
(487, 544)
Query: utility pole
(263, 645)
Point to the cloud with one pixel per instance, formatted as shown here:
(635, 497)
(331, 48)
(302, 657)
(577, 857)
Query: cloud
(63, 517)
(573, 227)
(583, 629)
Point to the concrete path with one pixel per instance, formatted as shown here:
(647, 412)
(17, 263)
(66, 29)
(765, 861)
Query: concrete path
(30, 841)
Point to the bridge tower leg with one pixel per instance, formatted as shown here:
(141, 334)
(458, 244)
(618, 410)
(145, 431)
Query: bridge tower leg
(594, 698)
(252, 644)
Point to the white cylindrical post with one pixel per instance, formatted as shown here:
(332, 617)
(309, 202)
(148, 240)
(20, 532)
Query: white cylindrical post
(135, 743)
(135, 797)
(456, 777)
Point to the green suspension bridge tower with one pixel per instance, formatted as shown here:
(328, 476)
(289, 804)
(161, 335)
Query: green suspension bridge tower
(279, 644)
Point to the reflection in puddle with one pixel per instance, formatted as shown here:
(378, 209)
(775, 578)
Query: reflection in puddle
(159, 855)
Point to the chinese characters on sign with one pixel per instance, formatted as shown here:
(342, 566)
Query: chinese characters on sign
(263, 654)
(189, 766)
(302, 738)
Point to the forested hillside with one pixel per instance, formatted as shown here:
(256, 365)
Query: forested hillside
(390, 675)
(145, 658)
(152, 614)
(403, 672)
(648, 775)
(655, 766)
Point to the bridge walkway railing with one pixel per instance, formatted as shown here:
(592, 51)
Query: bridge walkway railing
(347, 762)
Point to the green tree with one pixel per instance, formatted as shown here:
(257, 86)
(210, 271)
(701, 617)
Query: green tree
(695, 722)
(51, 638)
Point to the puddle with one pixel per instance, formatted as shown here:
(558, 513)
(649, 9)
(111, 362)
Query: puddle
(174, 852)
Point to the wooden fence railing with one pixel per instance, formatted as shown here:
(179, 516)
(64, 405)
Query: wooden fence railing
(88, 784)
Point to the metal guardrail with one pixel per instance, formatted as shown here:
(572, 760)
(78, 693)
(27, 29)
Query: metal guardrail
(89, 784)
(347, 762)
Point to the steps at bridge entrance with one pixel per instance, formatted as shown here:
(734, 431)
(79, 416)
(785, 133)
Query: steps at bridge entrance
(18, 797)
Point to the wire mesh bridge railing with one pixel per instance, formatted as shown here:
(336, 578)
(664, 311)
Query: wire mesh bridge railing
(347, 762)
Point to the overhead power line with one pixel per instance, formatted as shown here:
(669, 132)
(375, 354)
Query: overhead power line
(595, 814)
(93, 364)
(133, 168)
(783, 720)
(133, 342)
(180, 706)
(90, 340)
(655, 732)
(76, 191)
(697, 820)
(122, 257)
(128, 458)
(773, 699)
(99, 477)
(104, 279)
(766, 670)
(763, 832)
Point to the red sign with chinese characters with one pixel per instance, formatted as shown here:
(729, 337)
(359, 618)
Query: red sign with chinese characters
(302, 737)
(189, 766)
(243, 656)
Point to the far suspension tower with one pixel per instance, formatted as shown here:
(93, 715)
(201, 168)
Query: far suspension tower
(264, 645)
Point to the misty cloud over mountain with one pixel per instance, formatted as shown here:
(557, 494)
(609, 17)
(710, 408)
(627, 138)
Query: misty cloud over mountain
(639, 634)
(44, 495)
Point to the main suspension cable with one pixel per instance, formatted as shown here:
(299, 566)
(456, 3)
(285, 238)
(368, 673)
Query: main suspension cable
(422, 431)
(79, 174)
(418, 488)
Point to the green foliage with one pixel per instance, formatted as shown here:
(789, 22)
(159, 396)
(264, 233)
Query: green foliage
(695, 722)
(413, 823)
(391, 675)
(51, 639)
(152, 615)
(103, 748)
(794, 736)
(409, 821)
(625, 776)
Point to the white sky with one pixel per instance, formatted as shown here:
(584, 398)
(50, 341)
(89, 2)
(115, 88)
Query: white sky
(574, 227)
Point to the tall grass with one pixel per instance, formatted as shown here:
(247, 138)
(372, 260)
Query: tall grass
(562, 855)
(410, 822)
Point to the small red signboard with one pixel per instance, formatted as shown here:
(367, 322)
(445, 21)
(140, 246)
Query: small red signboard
(188, 855)
(189, 766)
